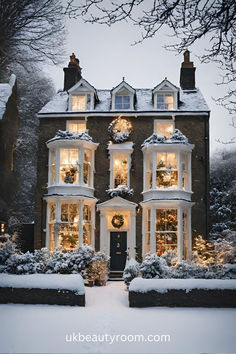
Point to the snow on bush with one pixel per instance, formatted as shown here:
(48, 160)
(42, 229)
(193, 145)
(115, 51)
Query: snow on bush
(154, 266)
(131, 271)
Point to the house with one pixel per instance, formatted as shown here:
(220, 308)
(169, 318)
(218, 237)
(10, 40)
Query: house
(8, 134)
(124, 170)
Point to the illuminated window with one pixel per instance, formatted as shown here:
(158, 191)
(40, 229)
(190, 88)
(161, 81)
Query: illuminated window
(120, 170)
(69, 227)
(87, 224)
(164, 128)
(81, 102)
(148, 171)
(76, 126)
(185, 235)
(53, 167)
(52, 220)
(122, 102)
(87, 167)
(69, 165)
(165, 100)
(166, 171)
(166, 230)
(148, 229)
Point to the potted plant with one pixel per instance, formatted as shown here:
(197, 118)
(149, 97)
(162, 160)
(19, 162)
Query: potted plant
(98, 270)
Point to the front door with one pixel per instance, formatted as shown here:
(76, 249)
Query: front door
(118, 247)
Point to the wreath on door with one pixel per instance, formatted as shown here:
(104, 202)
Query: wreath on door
(117, 221)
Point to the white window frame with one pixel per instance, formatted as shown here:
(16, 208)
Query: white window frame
(172, 120)
(82, 121)
(115, 149)
(175, 103)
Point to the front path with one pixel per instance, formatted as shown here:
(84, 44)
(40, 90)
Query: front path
(43, 328)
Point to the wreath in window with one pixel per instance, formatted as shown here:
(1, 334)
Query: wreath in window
(119, 130)
(117, 221)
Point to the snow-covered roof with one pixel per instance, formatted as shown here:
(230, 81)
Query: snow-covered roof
(176, 138)
(5, 94)
(189, 101)
(66, 135)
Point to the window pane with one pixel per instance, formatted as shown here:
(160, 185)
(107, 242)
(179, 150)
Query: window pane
(120, 170)
(87, 224)
(79, 102)
(166, 172)
(68, 165)
(184, 171)
(53, 167)
(52, 212)
(165, 101)
(166, 230)
(122, 102)
(87, 167)
(69, 228)
(165, 128)
(77, 127)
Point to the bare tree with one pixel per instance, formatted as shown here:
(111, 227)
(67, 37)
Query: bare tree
(30, 31)
(189, 20)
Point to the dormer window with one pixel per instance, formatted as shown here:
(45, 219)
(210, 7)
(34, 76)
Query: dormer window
(165, 96)
(82, 96)
(123, 97)
(81, 102)
(165, 101)
(122, 102)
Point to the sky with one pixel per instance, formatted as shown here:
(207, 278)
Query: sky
(106, 55)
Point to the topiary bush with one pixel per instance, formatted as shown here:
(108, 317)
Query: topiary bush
(154, 266)
(131, 271)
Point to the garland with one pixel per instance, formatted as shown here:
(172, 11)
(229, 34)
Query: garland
(117, 221)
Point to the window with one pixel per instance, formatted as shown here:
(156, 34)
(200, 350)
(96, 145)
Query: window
(87, 167)
(81, 102)
(53, 167)
(164, 128)
(69, 165)
(166, 230)
(149, 171)
(120, 170)
(69, 228)
(76, 126)
(185, 171)
(122, 102)
(185, 235)
(148, 229)
(165, 100)
(52, 221)
(87, 224)
(166, 171)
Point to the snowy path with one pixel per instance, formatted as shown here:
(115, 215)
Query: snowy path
(43, 328)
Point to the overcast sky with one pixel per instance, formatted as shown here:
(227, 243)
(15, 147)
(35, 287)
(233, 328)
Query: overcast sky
(106, 55)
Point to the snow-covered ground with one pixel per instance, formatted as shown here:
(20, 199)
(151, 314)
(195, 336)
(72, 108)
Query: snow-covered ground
(43, 328)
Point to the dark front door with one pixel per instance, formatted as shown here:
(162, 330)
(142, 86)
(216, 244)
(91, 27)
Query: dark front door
(118, 247)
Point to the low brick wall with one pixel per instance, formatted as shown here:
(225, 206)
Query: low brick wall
(181, 298)
(40, 296)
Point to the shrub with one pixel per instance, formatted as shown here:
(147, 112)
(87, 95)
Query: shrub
(154, 266)
(131, 271)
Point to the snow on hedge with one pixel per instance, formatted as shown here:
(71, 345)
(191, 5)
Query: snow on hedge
(73, 282)
(5, 93)
(163, 285)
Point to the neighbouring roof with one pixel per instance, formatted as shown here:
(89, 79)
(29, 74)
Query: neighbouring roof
(189, 101)
(5, 94)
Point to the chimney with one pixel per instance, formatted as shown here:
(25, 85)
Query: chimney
(72, 73)
(187, 73)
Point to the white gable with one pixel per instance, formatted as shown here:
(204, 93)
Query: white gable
(82, 86)
(117, 202)
(123, 85)
(165, 85)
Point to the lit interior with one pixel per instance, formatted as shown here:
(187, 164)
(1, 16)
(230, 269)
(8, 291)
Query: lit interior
(165, 101)
(165, 128)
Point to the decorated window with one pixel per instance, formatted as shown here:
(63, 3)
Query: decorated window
(166, 171)
(69, 166)
(165, 100)
(87, 224)
(69, 227)
(120, 170)
(53, 166)
(76, 126)
(164, 128)
(52, 221)
(185, 174)
(166, 230)
(148, 171)
(81, 102)
(122, 102)
(87, 167)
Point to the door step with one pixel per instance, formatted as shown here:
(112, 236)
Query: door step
(115, 276)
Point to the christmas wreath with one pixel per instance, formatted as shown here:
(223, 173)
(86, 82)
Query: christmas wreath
(120, 129)
(117, 221)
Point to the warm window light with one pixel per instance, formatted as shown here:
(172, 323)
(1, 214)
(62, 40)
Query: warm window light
(2, 227)
(165, 128)
(77, 128)
(165, 101)
(117, 162)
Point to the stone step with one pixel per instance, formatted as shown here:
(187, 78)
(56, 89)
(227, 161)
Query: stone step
(116, 275)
